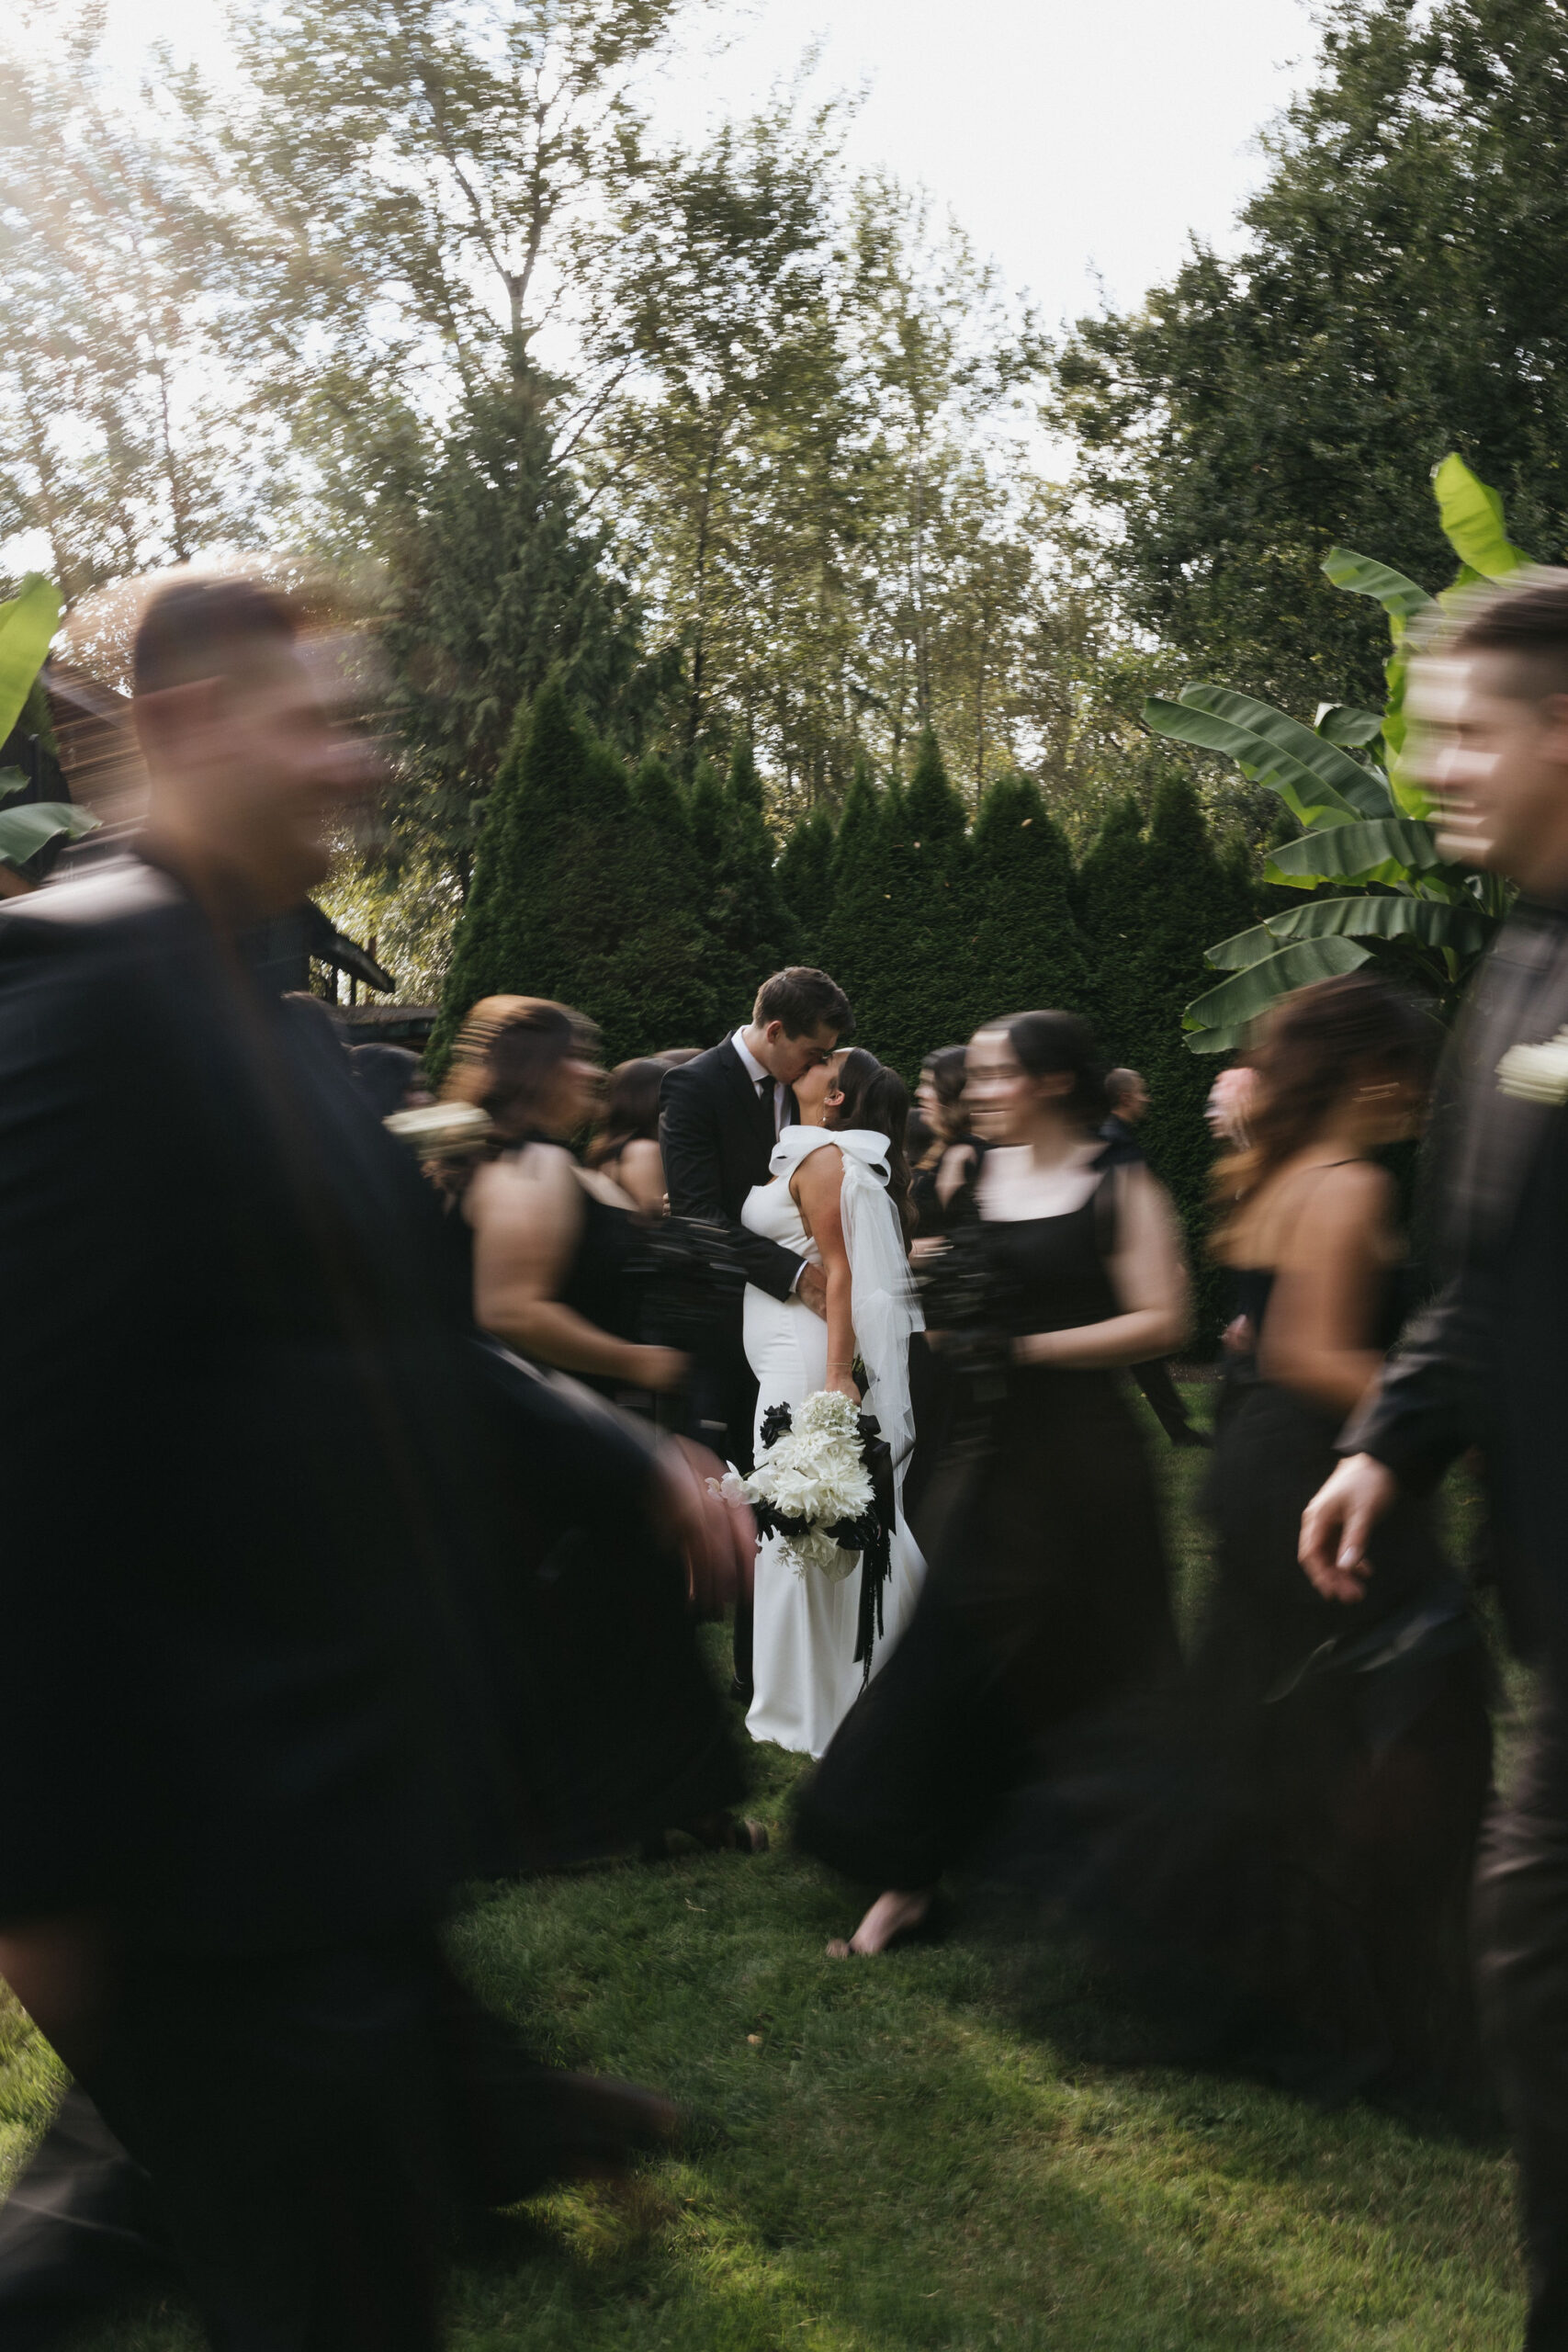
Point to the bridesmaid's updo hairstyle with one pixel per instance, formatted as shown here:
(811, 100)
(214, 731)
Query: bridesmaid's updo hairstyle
(506, 1056)
(945, 1071)
(1046, 1044)
(876, 1097)
(1311, 1049)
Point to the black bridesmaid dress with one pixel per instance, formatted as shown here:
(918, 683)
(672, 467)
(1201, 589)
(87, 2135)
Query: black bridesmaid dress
(630, 1733)
(1047, 1592)
(1281, 1853)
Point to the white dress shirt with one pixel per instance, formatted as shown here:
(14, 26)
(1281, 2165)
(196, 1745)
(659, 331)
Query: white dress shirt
(759, 1077)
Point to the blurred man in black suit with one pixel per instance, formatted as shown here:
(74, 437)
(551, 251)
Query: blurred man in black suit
(720, 1117)
(1487, 1364)
(268, 1706)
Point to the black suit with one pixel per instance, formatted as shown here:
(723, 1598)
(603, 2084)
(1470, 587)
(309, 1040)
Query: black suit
(716, 1134)
(271, 1705)
(1487, 1365)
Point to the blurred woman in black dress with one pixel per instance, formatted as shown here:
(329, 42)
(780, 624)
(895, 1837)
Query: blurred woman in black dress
(556, 1245)
(947, 1166)
(1289, 1849)
(1048, 1588)
(625, 1147)
(639, 1738)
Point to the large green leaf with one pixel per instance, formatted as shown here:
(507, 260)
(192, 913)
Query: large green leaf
(1426, 922)
(1348, 783)
(1309, 800)
(1389, 850)
(1471, 517)
(26, 624)
(12, 780)
(1342, 723)
(25, 832)
(1248, 993)
(1359, 576)
(1242, 949)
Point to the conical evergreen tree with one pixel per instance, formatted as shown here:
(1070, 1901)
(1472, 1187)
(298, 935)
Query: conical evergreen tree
(678, 1007)
(759, 925)
(1026, 950)
(921, 987)
(577, 896)
(1151, 904)
(860, 922)
(806, 877)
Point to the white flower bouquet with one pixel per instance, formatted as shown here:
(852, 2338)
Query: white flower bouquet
(812, 1486)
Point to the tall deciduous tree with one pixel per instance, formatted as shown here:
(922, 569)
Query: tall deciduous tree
(1402, 292)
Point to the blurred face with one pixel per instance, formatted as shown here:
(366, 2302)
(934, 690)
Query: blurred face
(817, 1091)
(1004, 1102)
(256, 773)
(1384, 1110)
(574, 1096)
(1131, 1105)
(1497, 765)
(789, 1058)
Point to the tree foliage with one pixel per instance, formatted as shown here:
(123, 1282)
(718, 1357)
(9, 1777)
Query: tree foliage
(1401, 292)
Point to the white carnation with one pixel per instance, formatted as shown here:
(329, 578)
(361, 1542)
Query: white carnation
(812, 1472)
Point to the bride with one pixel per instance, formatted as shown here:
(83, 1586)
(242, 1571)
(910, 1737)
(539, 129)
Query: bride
(839, 1196)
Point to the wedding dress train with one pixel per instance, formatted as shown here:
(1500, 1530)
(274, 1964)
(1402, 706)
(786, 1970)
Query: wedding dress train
(804, 1642)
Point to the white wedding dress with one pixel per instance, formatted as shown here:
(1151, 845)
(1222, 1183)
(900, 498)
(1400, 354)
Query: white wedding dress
(804, 1668)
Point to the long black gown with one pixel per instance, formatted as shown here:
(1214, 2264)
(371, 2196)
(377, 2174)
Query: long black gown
(633, 1737)
(1280, 1851)
(1047, 1592)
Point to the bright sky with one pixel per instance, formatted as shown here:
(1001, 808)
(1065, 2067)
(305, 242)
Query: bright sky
(1070, 137)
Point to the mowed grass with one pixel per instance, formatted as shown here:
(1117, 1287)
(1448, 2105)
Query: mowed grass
(963, 2145)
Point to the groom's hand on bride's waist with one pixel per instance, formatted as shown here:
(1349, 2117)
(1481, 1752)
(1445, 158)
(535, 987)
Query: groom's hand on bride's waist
(812, 1289)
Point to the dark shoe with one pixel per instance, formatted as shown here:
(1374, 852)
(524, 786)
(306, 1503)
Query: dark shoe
(721, 1833)
(741, 1692)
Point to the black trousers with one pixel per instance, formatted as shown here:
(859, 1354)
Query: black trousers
(1154, 1380)
(1521, 1922)
(298, 2138)
(724, 1409)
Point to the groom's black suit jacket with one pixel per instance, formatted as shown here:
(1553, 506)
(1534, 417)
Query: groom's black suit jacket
(1487, 1364)
(715, 1132)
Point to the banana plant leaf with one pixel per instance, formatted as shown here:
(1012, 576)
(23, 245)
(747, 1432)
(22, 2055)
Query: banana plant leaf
(1245, 994)
(26, 624)
(1471, 517)
(1342, 723)
(1242, 949)
(11, 780)
(25, 832)
(1360, 789)
(1309, 800)
(1389, 850)
(1359, 576)
(1424, 922)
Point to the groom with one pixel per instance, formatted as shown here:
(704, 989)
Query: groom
(720, 1117)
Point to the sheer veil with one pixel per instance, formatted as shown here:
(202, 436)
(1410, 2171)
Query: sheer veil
(884, 1306)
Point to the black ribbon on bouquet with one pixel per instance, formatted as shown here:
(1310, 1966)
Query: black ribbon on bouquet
(871, 1535)
(876, 1541)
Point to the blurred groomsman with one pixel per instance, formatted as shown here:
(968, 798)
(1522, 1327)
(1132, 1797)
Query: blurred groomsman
(1487, 1364)
(267, 1706)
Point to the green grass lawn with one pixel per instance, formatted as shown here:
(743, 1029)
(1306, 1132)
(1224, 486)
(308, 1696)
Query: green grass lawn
(957, 2146)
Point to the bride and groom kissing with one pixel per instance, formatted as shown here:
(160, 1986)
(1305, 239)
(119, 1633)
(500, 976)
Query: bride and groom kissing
(794, 1140)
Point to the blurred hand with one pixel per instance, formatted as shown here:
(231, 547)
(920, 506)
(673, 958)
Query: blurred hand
(1337, 1526)
(812, 1291)
(1239, 1338)
(660, 1369)
(716, 1539)
(58, 1969)
(931, 1245)
(845, 1387)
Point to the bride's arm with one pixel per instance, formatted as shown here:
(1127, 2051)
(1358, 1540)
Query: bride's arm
(1148, 1274)
(819, 1183)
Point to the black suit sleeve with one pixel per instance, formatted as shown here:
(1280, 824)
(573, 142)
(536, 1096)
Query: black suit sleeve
(67, 1338)
(690, 1141)
(1432, 1400)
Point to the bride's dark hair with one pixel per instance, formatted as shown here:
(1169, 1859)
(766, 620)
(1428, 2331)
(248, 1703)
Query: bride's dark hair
(876, 1097)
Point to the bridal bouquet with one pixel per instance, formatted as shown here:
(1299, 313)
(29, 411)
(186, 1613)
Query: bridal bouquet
(813, 1486)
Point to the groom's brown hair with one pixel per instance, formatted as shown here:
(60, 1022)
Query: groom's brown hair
(804, 999)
